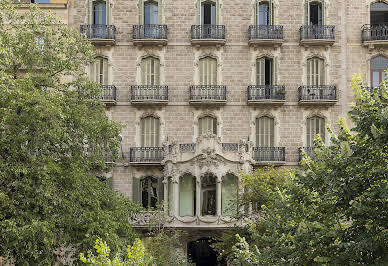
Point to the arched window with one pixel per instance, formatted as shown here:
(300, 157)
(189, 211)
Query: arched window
(315, 71)
(150, 132)
(208, 195)
(208, 13)
(264, 16)
(314, 12)
(151, 13)
(229, 195)
(99, 71)
(265, 134)
(265, 71)
(187, 193)
(150, 71)
(99, 13)
(379, 13)
(207, 71)
(148, 191)
(315, 125)
(378, 66)
(207, 124)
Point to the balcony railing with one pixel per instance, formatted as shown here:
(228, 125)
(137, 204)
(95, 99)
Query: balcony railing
(230, 147)
(99, 31)
(150, 31)
(208, 32)
(374, 33)
(317, 32)
(317, 93)
(265, 32)
(266, 92)
(146, 154)
(149, 93)
(187, 147)
(309, 152)
(207, 93)
(269, 154)
(108, 93)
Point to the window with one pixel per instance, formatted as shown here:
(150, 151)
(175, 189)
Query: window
(208, 13)
(187, 193)
(207, 125)
(378, 66)
(99, 13)
(229, 195)
(264, 13)
(315, 72)
(379, 14)
(265, 132)
(148, 191)
(151, 14)
(170, 197)
(265, 71)
(208, 195)
(150, 132)
(99, 71)
(314, 13)
(207, 71)
(150, 69)
(315, 125)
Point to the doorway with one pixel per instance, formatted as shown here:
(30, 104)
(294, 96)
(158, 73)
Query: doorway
(201, 253)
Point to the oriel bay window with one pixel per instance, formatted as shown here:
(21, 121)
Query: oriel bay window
(187, 195)
(148, 191)
(207, 124)
(208, 195)
(229, 195)
(315, 125)
(378, 66)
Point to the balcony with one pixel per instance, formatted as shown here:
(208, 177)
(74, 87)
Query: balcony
(265, 35)
(266, 94)
(149, 94)
(374, 35)
(317, 35)
(149, 34)
(269, 155)
(229, 147)
(320, 94)
(208, 34)
(207, 94)
(187, 147)
(309, 152)
(100, 34)
(108, 94)
(146, 155)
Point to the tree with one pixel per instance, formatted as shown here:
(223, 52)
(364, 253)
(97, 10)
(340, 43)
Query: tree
(53, 137)
(335, 209)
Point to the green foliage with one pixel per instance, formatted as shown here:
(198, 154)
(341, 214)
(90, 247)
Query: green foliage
(136, 255)
(52, 141)
(332, 212)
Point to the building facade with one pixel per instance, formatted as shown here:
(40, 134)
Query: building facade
(209, 88)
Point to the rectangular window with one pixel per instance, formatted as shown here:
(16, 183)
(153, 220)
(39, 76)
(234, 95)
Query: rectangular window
(207, 71)
(315, 14)
(99, 13)
(187, 193)
(208, 14)
(150, 68)
(150, 132)
(265, 132)
(315, 72)
(315, 125)
(264, 71)
(206, 125)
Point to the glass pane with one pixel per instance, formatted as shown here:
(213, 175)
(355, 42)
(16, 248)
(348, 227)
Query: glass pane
(147, 14)
(375, 79)
(229, 195)
(186, 195)
(99, 11)
(170, 197)
(315, 14)
(263, 14)
(208, 195)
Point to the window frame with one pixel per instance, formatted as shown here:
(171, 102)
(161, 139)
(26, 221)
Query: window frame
(211, 125)
(316, 71)
(265, 131)
(211, 192)
(320, 124)
(150, 70)
(154, 131)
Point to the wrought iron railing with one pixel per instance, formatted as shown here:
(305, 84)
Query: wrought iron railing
(99, 31)
(317, 93)
(265, 32)
(317, 32)
(266, 92)
(149, 92)
(108, 93)
(150, 31)
(230, 147)
(309, 152)
(146, 154)
(208, 92)
(208, 32)
(269, 154)
(187, 147)
(374, 33)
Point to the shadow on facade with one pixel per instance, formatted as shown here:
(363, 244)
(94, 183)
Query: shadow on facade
(201, 253)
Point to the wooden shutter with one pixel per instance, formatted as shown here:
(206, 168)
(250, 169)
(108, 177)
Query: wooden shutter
(270, 12)
(105, 71)
(214, 126)
(309, 75)
(275, 71)
(218, 10)
(160, 190)
(98, 69)
(136, 190)
(260, 71)
(265, 132)
(156, 70)
(141, 12)
(323, 13)
(160, 12)
(90, 12)
(256, 13)
(199, 8)
(307, 12)
(150, 132)
(315, 125)
(108, 12)
(321, 71)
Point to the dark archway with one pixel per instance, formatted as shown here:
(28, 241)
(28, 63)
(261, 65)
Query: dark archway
(202, 254)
